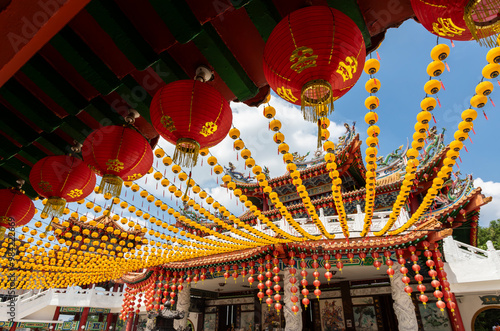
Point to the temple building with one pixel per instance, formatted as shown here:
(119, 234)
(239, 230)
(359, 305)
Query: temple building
(118, 117)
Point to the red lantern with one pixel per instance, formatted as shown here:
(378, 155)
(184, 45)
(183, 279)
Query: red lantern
(192, 115)
(458, 20)
(16, 209)
(117, 153)
(61, 179)
(313, 57)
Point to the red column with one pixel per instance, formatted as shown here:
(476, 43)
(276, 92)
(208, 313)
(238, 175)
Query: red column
(56, 317)
(136, 322)
(130, 322)
(109, 320)
(83, 318)
(456, 319)
(115, 287)
(13, 327)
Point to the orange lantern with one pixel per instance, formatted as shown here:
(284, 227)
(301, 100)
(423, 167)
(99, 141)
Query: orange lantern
(61, 179)
(117, 153)
(192, 115)
(459, 19)
(16, 209)
(313, 57)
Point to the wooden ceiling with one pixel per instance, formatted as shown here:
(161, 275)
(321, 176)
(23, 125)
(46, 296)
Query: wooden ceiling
(74, 66)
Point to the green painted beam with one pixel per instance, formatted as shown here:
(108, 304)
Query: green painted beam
(57, 147)
(18, 168)
(104, 113)
(75, 128)
(168, 70)
(351, 9)
(85, 61)
(135, 96)
(122, 31)
(240, 3)
(28, 105)
(32, 153)
(264, 16)
(228, 68)
(7, 148)
(16, 128)
(179, 18)
(9, 180)
(54, 85)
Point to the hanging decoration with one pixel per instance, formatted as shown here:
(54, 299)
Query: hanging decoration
(192, 115)
(61, 179)
(460, 19)
(117, 153)
(16, 209)
(307, 61)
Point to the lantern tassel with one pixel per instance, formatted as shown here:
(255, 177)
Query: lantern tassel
(485, 115)
(111, 184)
(186, 152)
(316, 100)
(54, 207)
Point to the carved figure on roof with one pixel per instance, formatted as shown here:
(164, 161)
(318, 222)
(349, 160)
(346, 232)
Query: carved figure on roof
(452, 189)
(189, 214)
(349, 133)
(298, 158)
(265, 171)
(436, 144)
(391, 157)
(236, 175)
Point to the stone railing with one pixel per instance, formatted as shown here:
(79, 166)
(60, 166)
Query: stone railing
(32, 302)
(355, 223)
(471, 269)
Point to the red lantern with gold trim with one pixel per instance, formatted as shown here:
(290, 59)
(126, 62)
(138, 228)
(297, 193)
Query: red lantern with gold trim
(192, 115)
(16, 209)
(61, 179)
(459, 20)
(313, 57)
(117, 153)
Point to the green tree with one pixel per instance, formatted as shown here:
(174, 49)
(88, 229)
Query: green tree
(490, 233)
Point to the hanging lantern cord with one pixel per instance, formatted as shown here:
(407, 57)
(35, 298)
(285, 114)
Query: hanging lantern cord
(76, 148)
(132, 115)
(187, 183)
(20, 183)
(204, 74)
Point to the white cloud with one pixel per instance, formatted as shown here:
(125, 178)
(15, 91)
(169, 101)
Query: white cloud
(300, 135)
(492, 210)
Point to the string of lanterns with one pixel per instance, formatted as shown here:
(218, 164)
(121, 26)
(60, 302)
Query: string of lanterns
(283, 148)
(220, 208)
(468, 116)
(371, 118)
(439, 53)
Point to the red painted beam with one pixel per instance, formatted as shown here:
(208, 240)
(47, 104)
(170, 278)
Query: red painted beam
(26, 27)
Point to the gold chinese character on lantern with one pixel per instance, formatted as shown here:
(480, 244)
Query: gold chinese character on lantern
(286, 94)
(208, 129)
(45, 186)
(168, 123)
(302, 58)
(348, 67)
(114, 165)
(446, 28)
(75, 193)
(134, 177)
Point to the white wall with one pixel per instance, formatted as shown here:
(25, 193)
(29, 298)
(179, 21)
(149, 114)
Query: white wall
(44, 314)
(469, 305)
